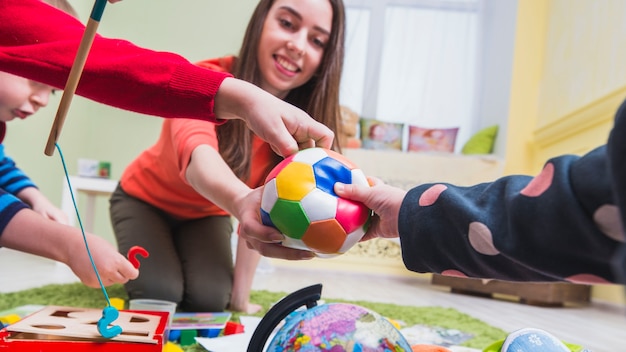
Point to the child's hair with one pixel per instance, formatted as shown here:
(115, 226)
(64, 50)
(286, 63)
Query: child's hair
(319, 97)
(64, 6)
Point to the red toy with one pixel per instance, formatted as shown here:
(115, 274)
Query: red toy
(233, 328)
(70, 329)
(132, 255)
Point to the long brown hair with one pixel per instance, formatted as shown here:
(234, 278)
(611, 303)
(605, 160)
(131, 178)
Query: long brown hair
(319, 97)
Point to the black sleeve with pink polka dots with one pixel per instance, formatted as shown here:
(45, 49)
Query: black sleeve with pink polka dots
(563, 224)
(616, 150)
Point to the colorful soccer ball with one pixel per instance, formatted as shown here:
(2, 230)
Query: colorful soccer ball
(299, 200)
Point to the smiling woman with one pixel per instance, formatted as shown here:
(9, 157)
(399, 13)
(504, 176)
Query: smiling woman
(292, 45)
(293, 49)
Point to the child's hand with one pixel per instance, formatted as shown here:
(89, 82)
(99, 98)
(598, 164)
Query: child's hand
(383, 199)
(112, 266)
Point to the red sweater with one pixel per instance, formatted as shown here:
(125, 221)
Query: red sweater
(39, 42)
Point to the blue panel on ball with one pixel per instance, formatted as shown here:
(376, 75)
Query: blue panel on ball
(328, 171)
(265, 218)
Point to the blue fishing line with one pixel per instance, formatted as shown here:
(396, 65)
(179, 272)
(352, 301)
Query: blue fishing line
(67, 177)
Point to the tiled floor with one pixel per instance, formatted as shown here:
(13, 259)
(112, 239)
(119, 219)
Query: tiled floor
(599, 327)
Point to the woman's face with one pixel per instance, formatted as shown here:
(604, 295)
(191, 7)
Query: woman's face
(292, 43)
(21, 97)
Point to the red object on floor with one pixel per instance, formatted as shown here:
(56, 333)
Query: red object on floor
(233, 328)
(132, 255)
(24, 342)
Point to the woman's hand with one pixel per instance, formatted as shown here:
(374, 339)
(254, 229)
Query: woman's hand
(285, 127)
(265, 239)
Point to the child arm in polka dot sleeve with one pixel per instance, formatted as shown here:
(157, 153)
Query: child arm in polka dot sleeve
(566, 223)
(562, 224)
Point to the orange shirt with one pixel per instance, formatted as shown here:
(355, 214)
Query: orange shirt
(157, 175)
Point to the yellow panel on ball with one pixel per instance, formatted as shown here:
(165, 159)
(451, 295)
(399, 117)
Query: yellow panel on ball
(295, 181)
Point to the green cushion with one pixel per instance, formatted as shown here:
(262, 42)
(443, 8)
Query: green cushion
(482, 142)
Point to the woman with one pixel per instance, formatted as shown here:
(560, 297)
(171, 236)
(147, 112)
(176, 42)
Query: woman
(292, 49)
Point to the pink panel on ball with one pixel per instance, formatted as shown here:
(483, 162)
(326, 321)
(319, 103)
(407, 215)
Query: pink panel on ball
(351, 215)
(324, 236)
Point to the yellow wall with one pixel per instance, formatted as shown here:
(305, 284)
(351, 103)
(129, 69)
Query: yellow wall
(568, 81)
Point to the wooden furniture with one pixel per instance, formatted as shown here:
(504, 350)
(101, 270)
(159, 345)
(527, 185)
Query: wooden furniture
(541, 294)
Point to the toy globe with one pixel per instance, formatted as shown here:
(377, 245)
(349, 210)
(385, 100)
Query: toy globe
(326, 327)
(299, 200)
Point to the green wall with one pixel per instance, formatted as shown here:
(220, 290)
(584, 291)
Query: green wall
(196, 29)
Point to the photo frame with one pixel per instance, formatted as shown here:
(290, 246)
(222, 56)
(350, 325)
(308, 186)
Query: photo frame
(381, 135)
(432, 139)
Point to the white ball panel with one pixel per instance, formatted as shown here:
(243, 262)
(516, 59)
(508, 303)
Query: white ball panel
(319, 205)
(294, 243)
(270, 195)
(352, 239)
(310, 156)
(359, 178)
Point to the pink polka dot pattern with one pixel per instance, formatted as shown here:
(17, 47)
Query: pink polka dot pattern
(481, 239)
(586, 279)
(430, 196)
(452, 272)
(540, 183)
(607, 218)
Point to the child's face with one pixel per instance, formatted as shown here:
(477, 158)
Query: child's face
(21, 97)
(292, 43)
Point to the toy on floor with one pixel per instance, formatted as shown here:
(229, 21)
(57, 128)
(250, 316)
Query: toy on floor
(533, 340)
(232, 328)
(172, 347)
(328, 327)
(71, 329)
(299, 200)
(133, 252)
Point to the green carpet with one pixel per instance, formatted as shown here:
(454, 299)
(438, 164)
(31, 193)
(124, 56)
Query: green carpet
(78, 295)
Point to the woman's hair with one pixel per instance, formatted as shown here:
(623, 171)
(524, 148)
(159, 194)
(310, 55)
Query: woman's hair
(64, 6)
(319, 97)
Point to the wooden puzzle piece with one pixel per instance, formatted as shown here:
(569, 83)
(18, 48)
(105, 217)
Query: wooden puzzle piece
(72, 322)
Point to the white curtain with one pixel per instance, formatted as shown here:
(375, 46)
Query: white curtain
(427, 64)
(353, 76)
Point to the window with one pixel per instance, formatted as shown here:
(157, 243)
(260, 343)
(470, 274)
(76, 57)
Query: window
(422, 62)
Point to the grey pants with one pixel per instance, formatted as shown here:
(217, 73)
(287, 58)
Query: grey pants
(190, 261)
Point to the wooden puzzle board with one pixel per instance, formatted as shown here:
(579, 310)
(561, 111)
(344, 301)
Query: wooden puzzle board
(53, 322)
